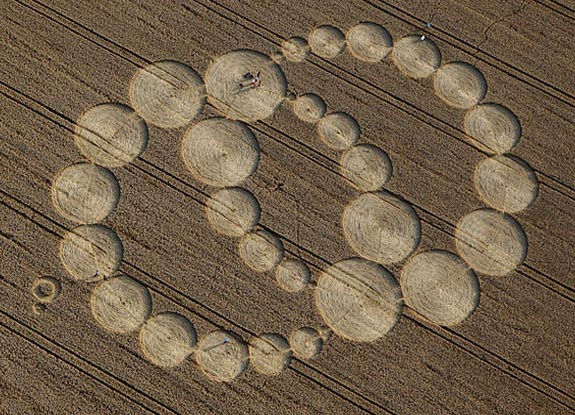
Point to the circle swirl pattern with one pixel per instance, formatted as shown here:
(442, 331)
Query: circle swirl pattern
(357, 298)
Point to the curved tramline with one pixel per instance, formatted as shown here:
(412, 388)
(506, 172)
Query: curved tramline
(358, 298)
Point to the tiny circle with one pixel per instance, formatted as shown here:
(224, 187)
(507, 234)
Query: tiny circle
(46, 289)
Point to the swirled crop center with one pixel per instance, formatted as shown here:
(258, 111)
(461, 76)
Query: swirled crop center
(358, 299)
(440, 287)
(381, 227)
(232, 92)
(220, 152)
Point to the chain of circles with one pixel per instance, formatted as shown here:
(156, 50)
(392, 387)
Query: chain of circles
(357, 297)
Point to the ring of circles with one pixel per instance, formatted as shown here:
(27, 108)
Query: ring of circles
(357, 297)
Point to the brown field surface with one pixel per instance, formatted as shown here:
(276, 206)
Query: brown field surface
(379, 223)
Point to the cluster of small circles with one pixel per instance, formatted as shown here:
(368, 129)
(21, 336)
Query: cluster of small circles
(438, 285)
(45, 291)
(357, 297)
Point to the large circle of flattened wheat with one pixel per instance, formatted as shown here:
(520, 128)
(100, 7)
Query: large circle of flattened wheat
(381, 227)
(167, 339)
(292, 275)
(306, 343)
(309, 108)
(338, 130)
(222, 356)
(85, 193)
(440, 286)
(369, 42)
(491, 242)
(295, 49)
(230, 93)
(367, 167)
(460, 85)
(46, 289)
(415, 57)
(91, 250)
(358, 299)
(506, 183)
(327, 41)
(261, 250)
(167, 94)
(111, 135)
(492, 128)
(120, 304)
(220, 152)
(232, 211)
(270, 354)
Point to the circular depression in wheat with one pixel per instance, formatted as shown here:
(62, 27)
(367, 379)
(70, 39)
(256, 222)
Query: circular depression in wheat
(369, 42)
(167, 339)
(168, 94)
(367, 167)
(327, 41)
(295, 49)
(506, 183)
(338, 130)
(261, 250)
(491, 242)
(492, 128)
(91, 250)
(416, 58)
(232, 211)
(440, 286)
(358, 299)
(222, 356)
(220, 152)
(460, 85)
(227, 92)
(46, 289)
(309, 108)
(270, 354)
(120, 304)
(381, 227)
(111, 135)
(85, 193)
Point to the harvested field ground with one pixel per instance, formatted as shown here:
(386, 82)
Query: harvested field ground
(277, 259)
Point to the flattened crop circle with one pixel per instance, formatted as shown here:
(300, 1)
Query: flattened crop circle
(506, 183)
(367, 167)
(168, 94)
(270, 354)
(492, 128)
(381, 227)
(327, 41)
(309, 108)
(369, 42)
(491, 242)
(295, 49)
(111, 135)
(90, 250)
(416, 58)
(167, 339)
(338, 130)
(306, 343)
(46, 289)
(439, 286)
(261, 250)
(233, 211)
(460, 85)
(85, 193)
(228, 92)
(120, 304)
(220, 152)
(222, 356)
(358, 299)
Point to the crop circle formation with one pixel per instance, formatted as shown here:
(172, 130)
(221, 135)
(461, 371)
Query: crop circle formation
(358, 298)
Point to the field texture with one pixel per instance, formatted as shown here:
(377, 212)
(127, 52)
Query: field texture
(287, 207)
